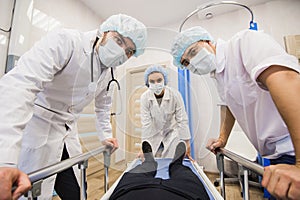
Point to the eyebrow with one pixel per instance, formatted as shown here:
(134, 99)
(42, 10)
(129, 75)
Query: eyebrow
(154, 79)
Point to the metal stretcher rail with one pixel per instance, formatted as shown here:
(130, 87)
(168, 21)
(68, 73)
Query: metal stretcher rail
(38, 176)
(245, 163)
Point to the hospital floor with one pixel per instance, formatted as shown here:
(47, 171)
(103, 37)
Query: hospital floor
(96, 183)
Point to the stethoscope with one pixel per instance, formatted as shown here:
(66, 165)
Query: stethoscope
(92, 85)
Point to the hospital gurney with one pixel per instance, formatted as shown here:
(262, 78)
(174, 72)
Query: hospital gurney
(162, 172)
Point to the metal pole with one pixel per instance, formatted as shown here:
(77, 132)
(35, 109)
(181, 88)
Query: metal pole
(83, 166)
(243, 161)
(106, 155)
(9, 32)
(61, 166)
(246, 185)
(106, 179)
(38, 176)
(29, 195)
(220, 164)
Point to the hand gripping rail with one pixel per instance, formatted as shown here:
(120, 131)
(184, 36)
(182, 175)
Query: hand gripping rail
(245, 163)
(38, 176)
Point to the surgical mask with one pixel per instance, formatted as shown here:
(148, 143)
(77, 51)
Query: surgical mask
(203, 63)
(111, 54)
(156, 88)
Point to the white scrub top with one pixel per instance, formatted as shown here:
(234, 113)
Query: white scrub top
(43, 94)
(240, 61)
(166, 123)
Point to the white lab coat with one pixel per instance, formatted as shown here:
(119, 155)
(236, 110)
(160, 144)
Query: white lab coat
(240, 61)
(46, 91)
(166, 123)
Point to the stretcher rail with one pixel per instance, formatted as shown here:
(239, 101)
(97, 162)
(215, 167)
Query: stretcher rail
(38, 176)
(258, 169)
(246, 165)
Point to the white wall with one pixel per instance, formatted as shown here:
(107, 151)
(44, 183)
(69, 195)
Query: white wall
(277, 18)
(34, 18)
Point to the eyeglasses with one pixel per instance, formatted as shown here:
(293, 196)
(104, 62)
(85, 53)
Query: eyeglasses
(119, 39)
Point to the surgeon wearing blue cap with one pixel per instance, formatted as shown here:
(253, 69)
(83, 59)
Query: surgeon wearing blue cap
(163, 116)
(259, 84)
(42, 97)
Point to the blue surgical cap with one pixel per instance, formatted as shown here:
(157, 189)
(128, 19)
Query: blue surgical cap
(128, 27)
(155, 68)
(184, 39)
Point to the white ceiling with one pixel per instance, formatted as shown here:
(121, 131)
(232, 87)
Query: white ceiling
(157, 13)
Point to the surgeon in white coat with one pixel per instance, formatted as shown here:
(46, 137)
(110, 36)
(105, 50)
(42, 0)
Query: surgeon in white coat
(43, 95)
(163, 116)
(258, 84)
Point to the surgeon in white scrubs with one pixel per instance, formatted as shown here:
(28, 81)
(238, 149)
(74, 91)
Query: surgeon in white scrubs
(41, 99)
(259, 86)
(163, 116)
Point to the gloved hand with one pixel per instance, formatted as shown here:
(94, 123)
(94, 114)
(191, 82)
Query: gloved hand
(213, 144)
(112, 142)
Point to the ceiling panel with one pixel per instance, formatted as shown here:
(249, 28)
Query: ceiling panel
(157, 13)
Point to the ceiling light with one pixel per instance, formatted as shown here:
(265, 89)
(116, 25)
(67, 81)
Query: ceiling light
(209, 15)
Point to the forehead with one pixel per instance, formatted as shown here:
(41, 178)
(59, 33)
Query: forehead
(155, 75)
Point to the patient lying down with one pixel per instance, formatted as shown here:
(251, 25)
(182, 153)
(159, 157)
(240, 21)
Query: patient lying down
(140, 182)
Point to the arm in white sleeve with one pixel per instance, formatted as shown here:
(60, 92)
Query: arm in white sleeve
(20, 86)
(103, 102)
